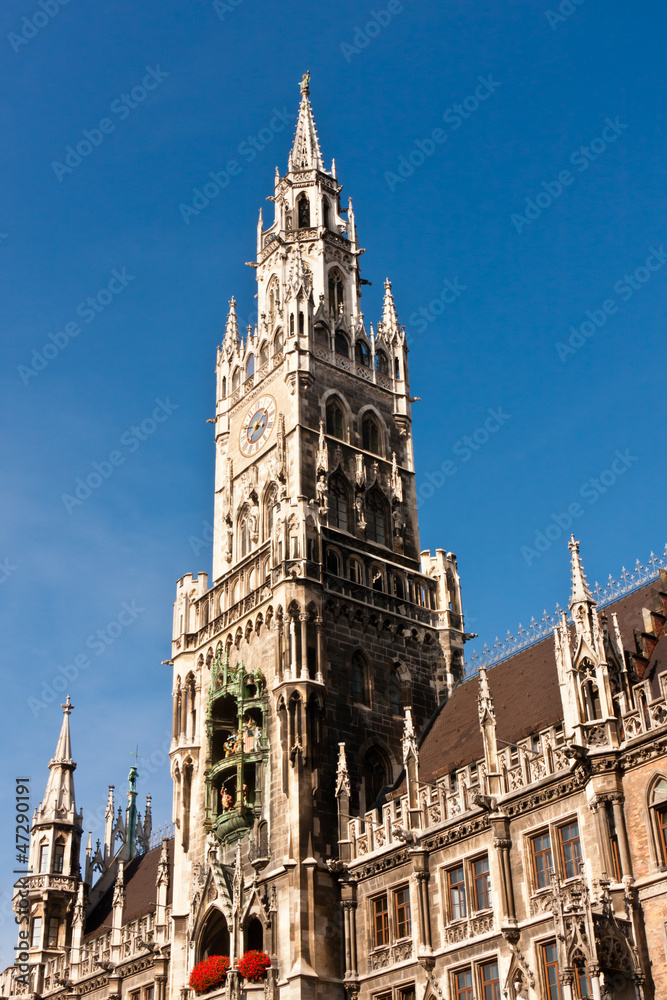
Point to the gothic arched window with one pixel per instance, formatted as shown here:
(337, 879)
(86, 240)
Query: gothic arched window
(658, 813)
(342, 344)
(395, 691)
(263, 354)
(399, 587)
(376, 517)
(244, 535)
(326, 212)
(370, 434)
(381, 363)
(333, 562)
(269, 507)
(278, 342)
(376, 775)
(58, 857)
(336, 293)
(335, 418)
(359, 680)
(339, 503)
(303, 210)
(362, 353)
(250, 366)
(236, 379)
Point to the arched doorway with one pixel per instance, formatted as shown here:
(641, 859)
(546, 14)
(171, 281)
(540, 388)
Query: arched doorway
(214, 939)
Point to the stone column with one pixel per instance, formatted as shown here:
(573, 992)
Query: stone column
(622, 835)
(175, 715)
(303, 618)
(320, 649)
(349, 904)
(421, 876)
(503, 843)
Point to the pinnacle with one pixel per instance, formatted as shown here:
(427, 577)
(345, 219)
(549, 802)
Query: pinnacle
(580, 591)
(389, 318)
(305, 152)
(232, 326)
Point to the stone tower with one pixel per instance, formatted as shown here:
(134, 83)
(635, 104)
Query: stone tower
(55, 843)
(323, 620)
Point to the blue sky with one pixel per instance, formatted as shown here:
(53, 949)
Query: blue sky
(540, 200)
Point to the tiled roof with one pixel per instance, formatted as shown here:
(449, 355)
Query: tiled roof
(140, 892)
(525, 693)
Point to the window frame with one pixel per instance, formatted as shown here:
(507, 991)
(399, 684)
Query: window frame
(495, 993)
(457, 887)
(467, 992)
(406, 921)
(545, 965)
(384, 921)
(475, 879)
(562, 845)
(534, 854)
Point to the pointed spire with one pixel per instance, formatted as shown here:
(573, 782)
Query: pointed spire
(485, 705)
(59, 795)
(580, 591)
(342, 774)
(389, 318)
(232, 326)
(305, 152)
(409, 737)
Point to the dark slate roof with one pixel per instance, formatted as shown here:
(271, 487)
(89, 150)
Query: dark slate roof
(140, 891)
(525, 693)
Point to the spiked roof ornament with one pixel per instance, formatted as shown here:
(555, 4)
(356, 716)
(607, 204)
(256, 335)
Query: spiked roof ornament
(232, 325)
(389, 318)
(580, 590)
(305, 152)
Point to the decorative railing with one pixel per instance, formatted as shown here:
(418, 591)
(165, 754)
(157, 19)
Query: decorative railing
(538, 630)
(463, 930)
(385, 602)
(440, 803)
(351, 366)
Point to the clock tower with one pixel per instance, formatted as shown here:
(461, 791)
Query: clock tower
(323, 621)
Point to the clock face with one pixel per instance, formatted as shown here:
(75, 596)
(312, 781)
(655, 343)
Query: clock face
(257, 425)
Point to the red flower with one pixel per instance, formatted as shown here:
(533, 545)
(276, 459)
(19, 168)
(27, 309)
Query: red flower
(209, 973)
(253, 965)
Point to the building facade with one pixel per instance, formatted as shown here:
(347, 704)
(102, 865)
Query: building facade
(344, 798)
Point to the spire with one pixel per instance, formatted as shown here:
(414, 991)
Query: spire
(59, 795)
(389, 318)
(342, 774)
(232, 326)
(580, 592)
(305, 152)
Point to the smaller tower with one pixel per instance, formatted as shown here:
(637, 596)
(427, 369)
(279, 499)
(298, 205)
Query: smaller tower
(55, 842)
(588, 687)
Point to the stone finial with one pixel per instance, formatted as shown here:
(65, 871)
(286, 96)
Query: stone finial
(485, 705)
(580, 590)
(409, 739)
(342, 773)
(305, 153)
